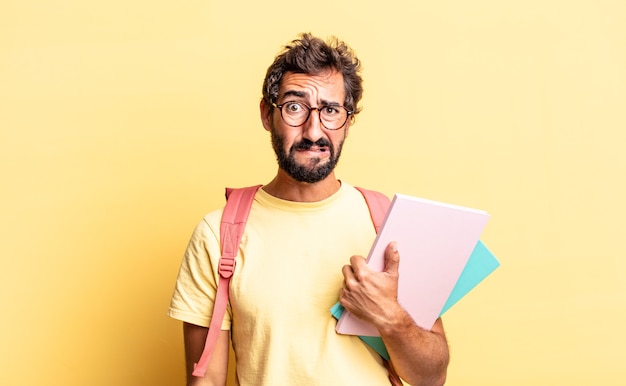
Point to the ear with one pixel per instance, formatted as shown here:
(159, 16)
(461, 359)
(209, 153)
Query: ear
(347, 127)
(266, 115)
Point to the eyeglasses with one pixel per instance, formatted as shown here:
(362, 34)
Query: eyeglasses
(295, 114)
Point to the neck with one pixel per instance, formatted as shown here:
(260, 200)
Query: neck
(285, 187)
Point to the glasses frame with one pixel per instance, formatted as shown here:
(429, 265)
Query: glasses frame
(309, 109)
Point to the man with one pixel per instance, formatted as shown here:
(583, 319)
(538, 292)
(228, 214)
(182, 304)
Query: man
(302, 250)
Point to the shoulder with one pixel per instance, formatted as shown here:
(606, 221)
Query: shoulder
(366, 194)
(207, 229)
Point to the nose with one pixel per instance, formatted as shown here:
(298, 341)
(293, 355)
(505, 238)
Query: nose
(312, 128)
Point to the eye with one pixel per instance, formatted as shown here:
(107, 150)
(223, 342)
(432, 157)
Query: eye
(293, 108)
(331, 110)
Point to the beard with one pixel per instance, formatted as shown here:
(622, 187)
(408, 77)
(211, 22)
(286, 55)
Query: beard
(305, 173)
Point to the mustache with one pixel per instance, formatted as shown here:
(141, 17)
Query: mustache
(306, 144)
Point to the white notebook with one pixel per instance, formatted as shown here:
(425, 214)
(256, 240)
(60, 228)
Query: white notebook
(435, 241)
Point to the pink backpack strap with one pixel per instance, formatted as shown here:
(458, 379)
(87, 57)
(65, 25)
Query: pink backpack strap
(233, 223)
(378, 205)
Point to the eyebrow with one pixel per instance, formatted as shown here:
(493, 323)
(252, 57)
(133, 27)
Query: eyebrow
(296, 93)
(303, 94)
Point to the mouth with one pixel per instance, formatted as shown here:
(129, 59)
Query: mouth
(313, 149)
(319, 147)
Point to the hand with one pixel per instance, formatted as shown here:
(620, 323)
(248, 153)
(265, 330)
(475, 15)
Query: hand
(370, 295)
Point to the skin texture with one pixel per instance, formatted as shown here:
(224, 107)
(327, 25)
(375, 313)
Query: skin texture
(419, 356)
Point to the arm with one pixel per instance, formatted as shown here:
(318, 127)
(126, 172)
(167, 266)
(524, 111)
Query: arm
(419, 356)
(194, 344)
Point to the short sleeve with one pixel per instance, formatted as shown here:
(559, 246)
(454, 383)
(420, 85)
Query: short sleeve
(196, 285)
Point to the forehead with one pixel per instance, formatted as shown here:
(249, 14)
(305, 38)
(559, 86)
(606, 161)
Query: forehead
(327, 86)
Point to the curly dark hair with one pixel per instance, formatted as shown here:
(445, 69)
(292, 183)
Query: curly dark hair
(311, 55)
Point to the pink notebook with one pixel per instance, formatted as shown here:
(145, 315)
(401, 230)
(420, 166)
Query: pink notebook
(435, 241)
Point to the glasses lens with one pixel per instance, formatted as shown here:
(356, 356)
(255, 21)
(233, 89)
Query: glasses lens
(333, 117)
(294, 113)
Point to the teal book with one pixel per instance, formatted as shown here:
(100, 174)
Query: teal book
(480, 264)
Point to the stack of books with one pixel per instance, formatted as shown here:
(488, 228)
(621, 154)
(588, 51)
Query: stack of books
(441, 260)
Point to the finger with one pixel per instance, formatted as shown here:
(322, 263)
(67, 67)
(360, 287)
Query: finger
(357, 261)
(359, 267)
(348, 272)
(350, 280)
(392, 258)
(344, 299)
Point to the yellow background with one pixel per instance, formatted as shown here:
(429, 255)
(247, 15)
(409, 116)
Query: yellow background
(122, 121)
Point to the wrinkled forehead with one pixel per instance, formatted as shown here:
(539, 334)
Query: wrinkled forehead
(325, 87)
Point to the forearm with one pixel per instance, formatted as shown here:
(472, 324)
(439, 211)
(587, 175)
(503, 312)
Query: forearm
(217, 370)
(420, 357)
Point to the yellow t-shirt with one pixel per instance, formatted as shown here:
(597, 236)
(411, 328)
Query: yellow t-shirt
(287, 277)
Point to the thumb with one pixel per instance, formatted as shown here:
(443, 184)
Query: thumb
(392, 258)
